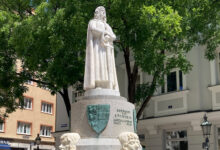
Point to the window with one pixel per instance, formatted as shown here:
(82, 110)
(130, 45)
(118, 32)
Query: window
(27, 103)
(176, 140)
(218, 60)
(45, 88)
(45, 131)
(218, 138)
(173, 82)
(29, 82)
(46, 108)
(1, 126)
(24, 128)
(218, 65)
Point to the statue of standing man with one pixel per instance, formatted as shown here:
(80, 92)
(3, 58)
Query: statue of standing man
(100, 71)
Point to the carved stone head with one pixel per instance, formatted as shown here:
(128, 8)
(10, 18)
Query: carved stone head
(69, 141)
(129, 141)
(100, 13)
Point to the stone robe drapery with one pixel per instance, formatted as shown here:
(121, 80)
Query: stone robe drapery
(100, 68)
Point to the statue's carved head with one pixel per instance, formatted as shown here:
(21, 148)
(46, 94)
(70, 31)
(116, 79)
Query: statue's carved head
(69, 141)
(100, 13)
(129, 141)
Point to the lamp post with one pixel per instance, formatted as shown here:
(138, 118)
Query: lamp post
(206, 129)
(37, 141)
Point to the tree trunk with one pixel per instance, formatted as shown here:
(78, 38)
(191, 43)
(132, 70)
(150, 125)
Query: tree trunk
(132, 84)
(132, 76)
(66, 100)
(131, 91)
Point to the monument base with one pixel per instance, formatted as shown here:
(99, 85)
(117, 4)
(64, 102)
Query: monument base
(98, 144)
(103, 119)
(99, 91)
(121, 116)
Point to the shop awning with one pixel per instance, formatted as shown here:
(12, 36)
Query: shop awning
(4, 146)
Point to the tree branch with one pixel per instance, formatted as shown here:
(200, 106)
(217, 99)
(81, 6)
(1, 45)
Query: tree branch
(30, 11)
(38, 81)
(5, 4)
(61, 93)
(148, 97)
(66, 100)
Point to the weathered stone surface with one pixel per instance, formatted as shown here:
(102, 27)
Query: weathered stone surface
(129, 141)
(100, 68)
(69, 141)
(102, 115)
(100, 91)
(99, 144)
(120, 118)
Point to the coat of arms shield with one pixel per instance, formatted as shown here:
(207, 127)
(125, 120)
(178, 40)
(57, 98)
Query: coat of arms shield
(98, 116)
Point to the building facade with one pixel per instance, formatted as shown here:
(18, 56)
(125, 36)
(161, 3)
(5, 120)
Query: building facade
(172, 119)
(62, 123)
(20, 129)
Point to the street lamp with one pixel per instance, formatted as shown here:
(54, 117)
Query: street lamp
(37, 141)
(206, 129)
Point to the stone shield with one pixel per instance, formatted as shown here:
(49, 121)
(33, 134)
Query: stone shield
(98, 116)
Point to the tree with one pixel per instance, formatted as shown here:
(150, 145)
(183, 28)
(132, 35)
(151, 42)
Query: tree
(155, 35)
(11, 87)
(47, 38)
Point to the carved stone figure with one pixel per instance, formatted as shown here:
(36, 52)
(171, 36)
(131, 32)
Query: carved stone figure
(100, 71)
(129, 141)
(69, 141)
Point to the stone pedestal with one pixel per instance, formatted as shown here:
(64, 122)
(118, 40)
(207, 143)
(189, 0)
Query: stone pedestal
(120, 120)
(99, 144)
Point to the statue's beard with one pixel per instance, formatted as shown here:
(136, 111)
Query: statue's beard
(99, 17)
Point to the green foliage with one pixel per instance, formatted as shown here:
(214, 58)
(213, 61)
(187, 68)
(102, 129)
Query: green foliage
(141, 92)
(167, 30)
(51, 45)
(159, 33)
(48, 39)
(11, 90)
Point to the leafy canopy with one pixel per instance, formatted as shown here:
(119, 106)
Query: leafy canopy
(47, 38)
(51, 46)
(157, 34)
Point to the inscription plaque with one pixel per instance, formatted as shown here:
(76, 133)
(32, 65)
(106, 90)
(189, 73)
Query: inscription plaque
(123, 117)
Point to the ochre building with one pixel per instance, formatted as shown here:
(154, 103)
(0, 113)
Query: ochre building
(20, 129)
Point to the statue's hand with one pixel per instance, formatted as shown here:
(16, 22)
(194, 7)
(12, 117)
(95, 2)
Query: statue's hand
(107, 33)
(110, 36)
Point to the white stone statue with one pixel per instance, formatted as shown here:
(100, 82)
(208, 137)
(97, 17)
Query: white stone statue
(129, 141)
(69, 141)
(100, 71)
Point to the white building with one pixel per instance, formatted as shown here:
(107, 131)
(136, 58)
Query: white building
(171, 120)
(62, 123)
